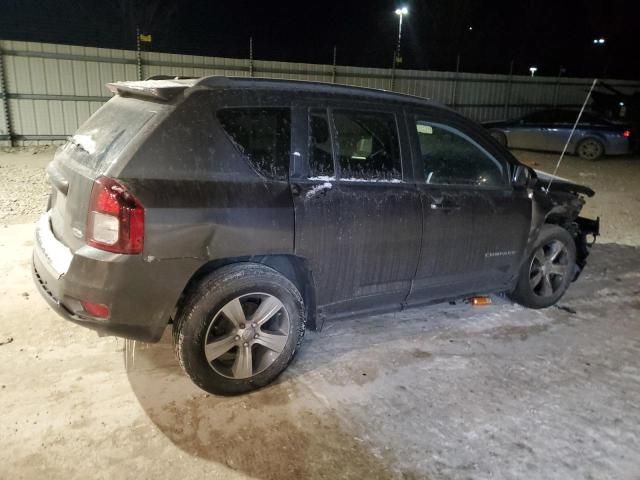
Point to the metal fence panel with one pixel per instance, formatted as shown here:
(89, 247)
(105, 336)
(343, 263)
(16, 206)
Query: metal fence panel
(52, 89)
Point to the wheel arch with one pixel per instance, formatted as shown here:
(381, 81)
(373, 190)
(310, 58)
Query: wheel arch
(294, 268)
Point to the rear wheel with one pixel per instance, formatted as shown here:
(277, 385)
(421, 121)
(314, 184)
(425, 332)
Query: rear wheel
(546, 275)
(590, 149)
(239, 329)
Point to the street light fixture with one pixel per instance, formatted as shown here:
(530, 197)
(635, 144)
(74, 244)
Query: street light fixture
(533, 70)
(401, 12)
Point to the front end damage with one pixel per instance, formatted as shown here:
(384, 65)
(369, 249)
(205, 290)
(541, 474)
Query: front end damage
(560, 202)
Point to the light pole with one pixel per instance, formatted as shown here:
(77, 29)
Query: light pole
(401, 12)
(601, 44)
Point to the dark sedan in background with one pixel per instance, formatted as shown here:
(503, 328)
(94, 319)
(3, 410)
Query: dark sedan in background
(548, 130)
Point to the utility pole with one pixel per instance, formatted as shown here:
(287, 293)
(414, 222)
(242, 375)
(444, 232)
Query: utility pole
(138, 54)
(4, 98)
(251, 56)
(507, 101)
(334, 71)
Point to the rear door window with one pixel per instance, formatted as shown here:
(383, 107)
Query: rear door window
(449, 157)
(367, 146)
(320, 148)
(263, 135)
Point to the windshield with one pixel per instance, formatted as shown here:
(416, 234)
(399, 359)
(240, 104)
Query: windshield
(100, 140)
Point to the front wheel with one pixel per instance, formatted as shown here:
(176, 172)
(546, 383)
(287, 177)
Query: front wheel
(547, 273)
(239, 329)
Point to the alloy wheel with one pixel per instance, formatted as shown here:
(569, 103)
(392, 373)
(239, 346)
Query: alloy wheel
(247, 335)
(590, 149)
(549, 268)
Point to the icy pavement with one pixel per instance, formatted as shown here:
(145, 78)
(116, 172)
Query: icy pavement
(445, 392)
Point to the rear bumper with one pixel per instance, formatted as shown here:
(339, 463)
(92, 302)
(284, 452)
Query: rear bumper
(141, 294)
(618, 146)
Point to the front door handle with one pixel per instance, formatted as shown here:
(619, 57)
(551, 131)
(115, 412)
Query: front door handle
(440, 204)
(444, 208)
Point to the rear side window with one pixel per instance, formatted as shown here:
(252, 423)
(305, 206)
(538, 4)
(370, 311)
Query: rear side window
(451, 158)
(367, 146)
(567, 116)
(263, 135)
(542, 116)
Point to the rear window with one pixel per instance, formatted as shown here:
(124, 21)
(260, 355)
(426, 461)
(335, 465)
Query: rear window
(102, 138)
(263, 135)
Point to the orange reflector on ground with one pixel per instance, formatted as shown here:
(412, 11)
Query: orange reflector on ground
(480, 301)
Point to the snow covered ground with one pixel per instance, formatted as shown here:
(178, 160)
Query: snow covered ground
(444, 392)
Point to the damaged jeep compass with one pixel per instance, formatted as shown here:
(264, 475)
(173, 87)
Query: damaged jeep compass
(243, 211)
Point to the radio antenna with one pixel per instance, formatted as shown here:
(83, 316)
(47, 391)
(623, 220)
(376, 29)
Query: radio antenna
(575, 125)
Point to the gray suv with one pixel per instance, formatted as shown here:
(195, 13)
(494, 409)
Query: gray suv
(243, 211)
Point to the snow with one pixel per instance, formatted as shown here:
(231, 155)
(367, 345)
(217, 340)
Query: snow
(144, 84)
(87, 143)
(372, 180)
(324, 178)
(319, 188)
(58, 254)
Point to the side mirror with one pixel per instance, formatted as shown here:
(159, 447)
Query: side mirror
(523, 176)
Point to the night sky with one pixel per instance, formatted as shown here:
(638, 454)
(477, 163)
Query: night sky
(549, 34)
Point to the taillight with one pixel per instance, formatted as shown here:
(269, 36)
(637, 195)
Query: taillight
(626, 133)
(115, 220)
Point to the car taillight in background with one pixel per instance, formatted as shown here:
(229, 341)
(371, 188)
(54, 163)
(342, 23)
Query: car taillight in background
(626, 133)
(115, 220)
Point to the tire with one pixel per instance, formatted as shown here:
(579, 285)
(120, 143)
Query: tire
(590, 149)
(499, 137)
(222, 330)
(547, 273)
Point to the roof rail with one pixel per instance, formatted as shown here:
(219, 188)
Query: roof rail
(218, 81)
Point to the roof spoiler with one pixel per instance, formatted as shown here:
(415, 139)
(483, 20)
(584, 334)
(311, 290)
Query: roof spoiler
(159, 89)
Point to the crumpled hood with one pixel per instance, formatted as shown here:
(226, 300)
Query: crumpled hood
(562, 184)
